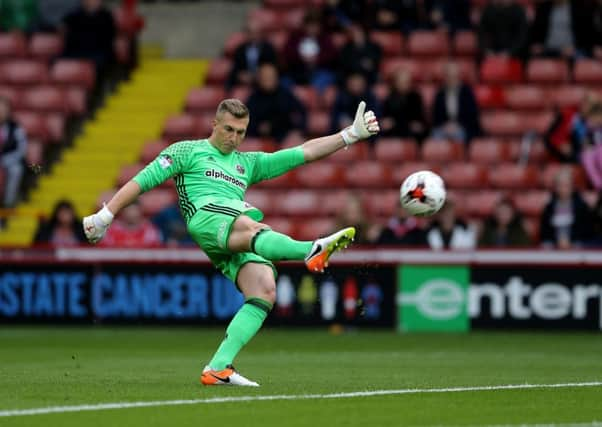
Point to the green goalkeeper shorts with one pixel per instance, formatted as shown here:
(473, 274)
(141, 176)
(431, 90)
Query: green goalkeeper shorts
(210, 228)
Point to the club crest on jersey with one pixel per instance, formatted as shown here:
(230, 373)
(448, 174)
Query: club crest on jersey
(165, 161)
(240, 169)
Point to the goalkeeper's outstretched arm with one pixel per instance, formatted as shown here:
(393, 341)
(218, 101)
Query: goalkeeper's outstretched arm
(364, 126)
(96, 225)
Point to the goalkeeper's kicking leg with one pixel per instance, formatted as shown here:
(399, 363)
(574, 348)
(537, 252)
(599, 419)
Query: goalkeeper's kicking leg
(257, 283)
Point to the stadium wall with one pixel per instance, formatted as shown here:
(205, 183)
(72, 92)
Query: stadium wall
(410, 290)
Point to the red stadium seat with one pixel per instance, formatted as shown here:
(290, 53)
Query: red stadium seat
(13, 94)
(490, 96)
(396, 150)
(122, 49)
(292, 18)
(278, 39)
(204, 99)
(488, 151)
(381, 203)
(428, 93)
(501, 70)
(308, 96)
(465, 43)
(354, 153)
(12, 45)
(321, 175)
(479, 203)
(155, 201)
(241, 92)
(391, 65)
(34, 124)
(180, 127)
(547, 71)
(318, 123)
(128, 172)
(588, 71)
(580, 180)
(436, 69)
(502, 123)
(258, 144)
(233, 41)
(282, 225)
(286, 181)
(531, 203)
(76, 99)
(381, 91)
(535, 152)
(45, 99)
(339, 40)
(317, 227)
(218, 71)
(24, 72)
(513, 176)
(299, 203)
(526, 98)
(566, 96)
(328, 97)
(391, 42)
(204, 125)
(34, 154)
(267, 19)
(441, 151)
(464, 175)
(264, 200)
(55, 123)
(127, 21)
(332, 202)
(428, 43)
(403, 170)
(152, 149)
(369, 174)
(73, 72)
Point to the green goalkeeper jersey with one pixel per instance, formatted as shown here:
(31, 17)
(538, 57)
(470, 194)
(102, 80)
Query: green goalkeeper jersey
(204, 175)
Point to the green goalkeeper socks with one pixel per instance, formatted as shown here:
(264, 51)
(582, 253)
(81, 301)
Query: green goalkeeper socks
(242, 328)
(277, 246)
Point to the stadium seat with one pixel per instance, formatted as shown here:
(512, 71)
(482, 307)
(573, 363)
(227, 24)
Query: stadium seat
(566, 96)
(513, 176)
(368, 174)
(128, 172)
(204, 125)
(233, 41)
(45, 46)
(464, 175)
(292, 18)
(127, 21)
(465, 44)
(580, 180)
(490, 96)
(308, 96)
(282, 225)
(72, 72)
(204, 99)
(152, 149)
(381, 91)
(479, 203)
(218, 71)
(55, 123)
(535, 152)
(389, 66)
(34, 124)
(332, 202)
(76, 99)
(278, 40)
(321, 175)
(531, 225)
(588, 71)
(402, 171)
(318, 123)
(428, 92)
(258, 144)
(34, 154)
(428, 43)
(24, 72)
(45, 99)
(391, 42)
(436, 69)
(317, 227)
(487, 151)
(502, 123)
(547, 71)
(381, 203)
(12, 45)
(13, 94)
(241, 92)
(155, 201)
(286, 181)
(122, 49)
(357, 152)
(299, 203)
(339, 40)
(531, 203)
(262, 199)
(268, 20)
(180, 127)
(501, 70)
(526, 97)
(441, 151)
(396, 150)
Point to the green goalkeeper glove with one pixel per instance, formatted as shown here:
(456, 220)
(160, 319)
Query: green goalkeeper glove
(364, 126)
(96, 225)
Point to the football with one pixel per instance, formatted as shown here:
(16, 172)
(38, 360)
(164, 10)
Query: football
(422, 193)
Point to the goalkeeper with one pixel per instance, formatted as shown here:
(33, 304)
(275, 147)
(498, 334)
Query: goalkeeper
(211, 178)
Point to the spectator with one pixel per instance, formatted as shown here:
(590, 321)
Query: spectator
(18, 15)
(403, 229)
(403, 110)
(310, 55)
(131, 229)
(339, 14)
(591, 145)
(256, 50)
(404, 15)
(455, 110)
(503, 29)
(345, 104)
(565, 137)
(359, 55)
(563, 28)
(90, 34)
(53, 12)
(172, 226)
(566, 219)
(448, 232)
(353, 214)
(275, 110)
(63, 228)
(450, 15)
(505, 227)
(13, 147)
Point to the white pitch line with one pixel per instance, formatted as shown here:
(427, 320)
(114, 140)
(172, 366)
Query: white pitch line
(126, 405)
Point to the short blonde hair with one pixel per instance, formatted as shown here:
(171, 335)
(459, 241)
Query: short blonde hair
(233, 106)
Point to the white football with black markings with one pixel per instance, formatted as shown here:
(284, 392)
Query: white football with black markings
(422, 193)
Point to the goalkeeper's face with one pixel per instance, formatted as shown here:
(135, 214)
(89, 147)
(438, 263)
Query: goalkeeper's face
(228, 132)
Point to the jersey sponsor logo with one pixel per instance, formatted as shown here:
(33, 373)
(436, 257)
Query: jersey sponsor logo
(240, 169)
(165, 161)
(212, 173)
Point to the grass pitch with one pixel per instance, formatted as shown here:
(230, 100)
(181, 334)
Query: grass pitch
(48, 367)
